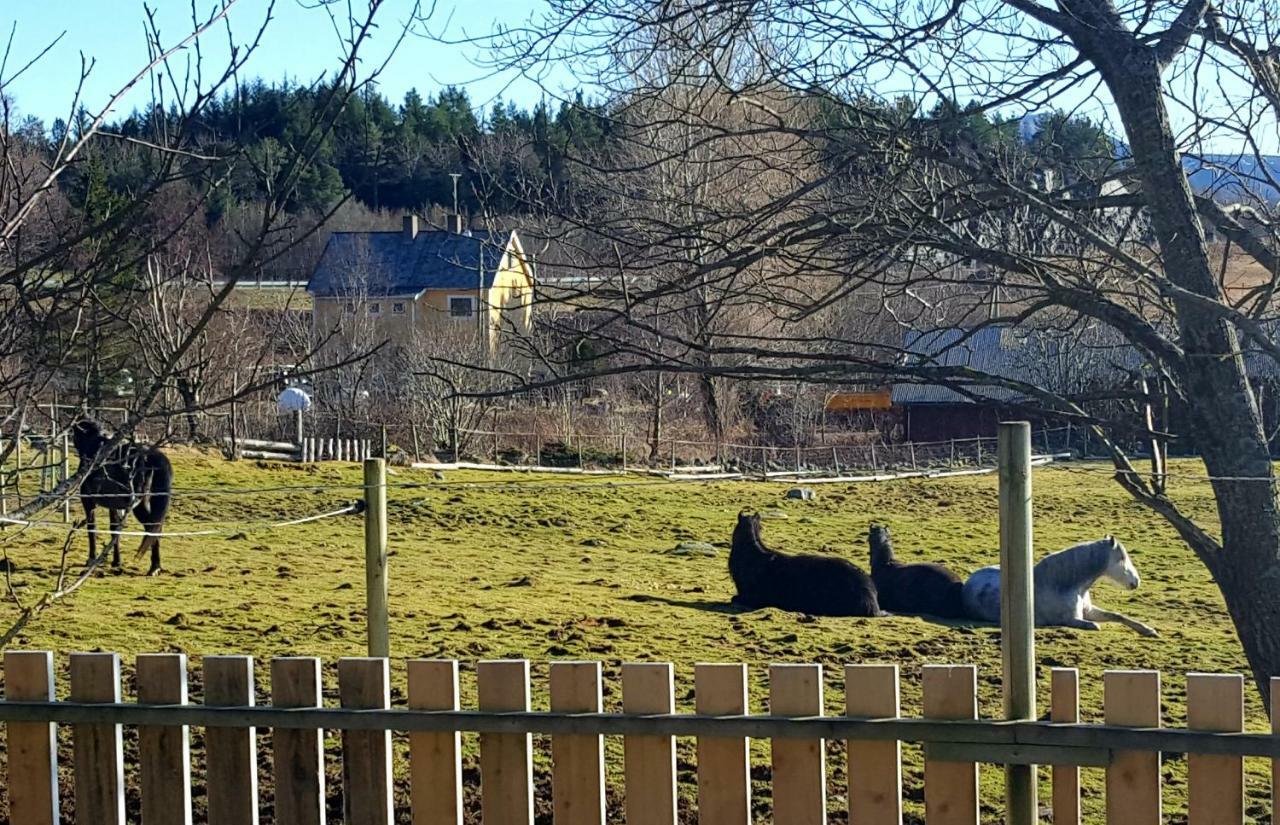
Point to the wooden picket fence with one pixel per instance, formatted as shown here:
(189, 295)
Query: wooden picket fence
(1128, 745)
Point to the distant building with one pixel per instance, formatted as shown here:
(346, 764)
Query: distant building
(1067, 364)
(423, 281)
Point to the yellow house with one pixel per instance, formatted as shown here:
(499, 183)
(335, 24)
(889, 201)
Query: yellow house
(423, 284)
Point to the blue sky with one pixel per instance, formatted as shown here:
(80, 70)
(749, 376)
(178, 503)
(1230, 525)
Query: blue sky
(300, 44)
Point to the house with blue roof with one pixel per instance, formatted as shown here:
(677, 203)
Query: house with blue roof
(437, 283)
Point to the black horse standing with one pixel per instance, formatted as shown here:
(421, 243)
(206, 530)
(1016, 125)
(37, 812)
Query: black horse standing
(128, 477)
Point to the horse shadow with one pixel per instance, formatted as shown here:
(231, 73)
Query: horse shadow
(732, 608)
(709, 605)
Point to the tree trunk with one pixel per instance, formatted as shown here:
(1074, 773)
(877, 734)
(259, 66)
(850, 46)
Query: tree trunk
(1224, 417)
(189, 400)
(655, 429)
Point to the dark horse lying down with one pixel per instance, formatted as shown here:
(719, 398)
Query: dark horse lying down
(923, 587)
(819, 585)
(129, 477)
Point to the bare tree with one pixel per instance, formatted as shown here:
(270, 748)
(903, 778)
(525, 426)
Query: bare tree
(77, 286)
(939, 192)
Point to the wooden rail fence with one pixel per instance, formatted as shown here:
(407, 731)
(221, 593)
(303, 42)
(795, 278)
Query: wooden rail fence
(1128, 745)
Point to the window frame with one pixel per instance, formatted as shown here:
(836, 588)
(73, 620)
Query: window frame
(375, 307)
(471, 303)
(401, 308)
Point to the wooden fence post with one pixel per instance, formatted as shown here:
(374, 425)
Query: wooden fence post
(375, 555)
(650, 761)
(1275, 729)
(1065, 707)
(32, 747)
(1215, 784)
(435, 759)
(98, 748)
(506, 759)
(799, 765)
(1132, 697)
(66, 474)
(951, 788)
(165, 752)
(724, 787)
(1017, 611)
(231, 754)
(624, 452)
(298, 755)
(875, 768)
(366, 754)
(577, 761)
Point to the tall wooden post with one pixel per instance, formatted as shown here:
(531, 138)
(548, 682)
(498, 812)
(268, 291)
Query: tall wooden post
(297, 428)
(375, 555)
(65, 474)
(235, 414)
(1017, 609)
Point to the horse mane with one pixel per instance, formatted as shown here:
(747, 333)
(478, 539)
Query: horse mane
(1083, 562)
(881, 547)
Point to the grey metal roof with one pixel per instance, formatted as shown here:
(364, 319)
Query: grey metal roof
(1060, 362)
(385, 263)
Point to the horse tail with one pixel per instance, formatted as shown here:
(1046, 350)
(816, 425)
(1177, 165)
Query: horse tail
(155, 504)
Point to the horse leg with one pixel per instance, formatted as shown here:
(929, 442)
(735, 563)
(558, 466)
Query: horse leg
(143, 514)
(91, 527)
(1097, 614)
(117, 524)
(1081, 624)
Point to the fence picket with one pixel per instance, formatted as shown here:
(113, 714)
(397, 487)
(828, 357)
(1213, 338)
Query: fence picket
(164, 751)
(577, 762)
(32, 747)
(724, 789)
(298, 755)
(650, 761)
(98, 749)
(1132, 698)
(231, 754)
(799, 765)
(950, 788)
(366, 755)
(506, 759)
(1065, 707)
(435, 759)
(875, 768)
(1215, 784)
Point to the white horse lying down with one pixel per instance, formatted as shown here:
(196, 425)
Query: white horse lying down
(1061, 583)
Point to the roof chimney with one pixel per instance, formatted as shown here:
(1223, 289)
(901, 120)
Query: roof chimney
(453, 224)
(410, 227)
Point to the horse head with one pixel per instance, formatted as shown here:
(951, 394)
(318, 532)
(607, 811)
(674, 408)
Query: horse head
(881, 546)
(86, 435)
(1120, 567)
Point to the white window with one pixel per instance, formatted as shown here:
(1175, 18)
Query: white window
(375, 308)
(349, 307)
(462, 306)
(397, 308)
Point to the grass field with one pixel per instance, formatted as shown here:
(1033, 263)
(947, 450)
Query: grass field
(498, 566)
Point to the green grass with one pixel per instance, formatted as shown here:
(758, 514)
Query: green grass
(558, 568)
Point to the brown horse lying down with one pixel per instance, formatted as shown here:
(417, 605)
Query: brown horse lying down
(819, 585)
(924, 587)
